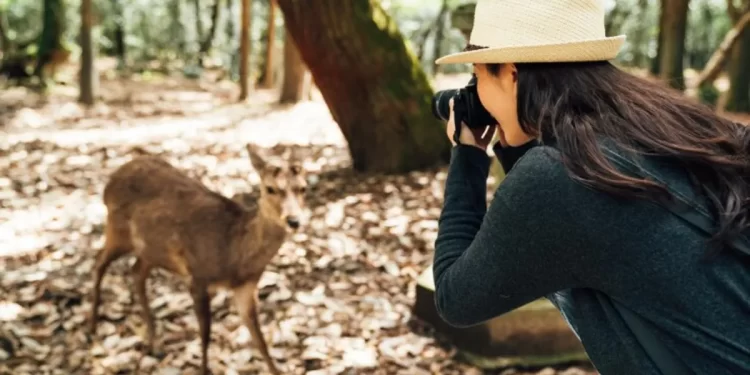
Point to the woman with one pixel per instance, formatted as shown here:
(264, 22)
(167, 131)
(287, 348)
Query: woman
(590, 152)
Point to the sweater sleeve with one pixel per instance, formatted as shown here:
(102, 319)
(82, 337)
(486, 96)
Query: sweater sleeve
(489, 261)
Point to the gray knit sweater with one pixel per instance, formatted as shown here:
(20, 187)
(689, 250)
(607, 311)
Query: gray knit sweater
(545, 235)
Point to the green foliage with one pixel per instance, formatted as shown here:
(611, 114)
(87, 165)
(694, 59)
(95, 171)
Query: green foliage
(709, 94)
(23, 20)
(416, 19)
(165, 31)
(709, 23)
(637, 19)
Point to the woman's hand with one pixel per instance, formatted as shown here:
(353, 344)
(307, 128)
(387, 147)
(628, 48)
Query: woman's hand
(473, 137)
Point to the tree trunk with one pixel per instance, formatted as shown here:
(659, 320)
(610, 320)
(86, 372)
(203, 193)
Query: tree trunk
(439, 35)
(50, 41)
(268, 77)
(673, 48)
(208, 41)
(177, 29)
(374, 86)
(656, 62)
(701, 51)
(87, 75)
(293, 88)
(738, 97)
(198, 20)
(120, 49)
(245, 50)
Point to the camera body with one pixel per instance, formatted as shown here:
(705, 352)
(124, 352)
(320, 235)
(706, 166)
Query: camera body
(466, 107)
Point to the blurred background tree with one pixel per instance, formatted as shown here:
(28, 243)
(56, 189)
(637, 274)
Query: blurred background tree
(390, 45)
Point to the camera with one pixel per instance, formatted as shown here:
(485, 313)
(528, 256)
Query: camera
(466, 107)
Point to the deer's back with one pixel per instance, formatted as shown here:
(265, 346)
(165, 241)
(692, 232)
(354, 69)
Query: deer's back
(171, 220)
(148, 177)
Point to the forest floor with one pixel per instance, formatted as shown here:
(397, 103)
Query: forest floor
(336, 299)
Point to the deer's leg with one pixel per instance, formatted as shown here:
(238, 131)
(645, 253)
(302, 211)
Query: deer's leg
(105, 257)
(246, 300)
(140, 273)
(202, 305)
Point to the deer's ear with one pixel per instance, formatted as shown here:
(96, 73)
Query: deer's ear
(296, 169)
(255, 159)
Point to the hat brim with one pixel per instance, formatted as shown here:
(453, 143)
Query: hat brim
(587, 50)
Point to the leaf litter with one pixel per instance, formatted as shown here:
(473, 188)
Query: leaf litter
(335, 300)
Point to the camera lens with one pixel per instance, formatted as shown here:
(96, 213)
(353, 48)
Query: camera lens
(441, 103)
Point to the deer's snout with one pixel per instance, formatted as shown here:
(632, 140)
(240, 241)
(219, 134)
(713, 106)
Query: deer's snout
(293, 222)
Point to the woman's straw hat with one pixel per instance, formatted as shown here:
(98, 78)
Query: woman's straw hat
(517, 31)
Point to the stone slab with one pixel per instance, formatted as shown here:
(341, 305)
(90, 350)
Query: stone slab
(531, 335)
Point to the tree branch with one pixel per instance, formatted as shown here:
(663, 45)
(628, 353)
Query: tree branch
(715, 63)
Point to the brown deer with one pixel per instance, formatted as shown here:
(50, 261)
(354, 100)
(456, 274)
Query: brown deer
(169, 220)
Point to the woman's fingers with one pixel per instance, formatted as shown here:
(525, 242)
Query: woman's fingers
(451, 126)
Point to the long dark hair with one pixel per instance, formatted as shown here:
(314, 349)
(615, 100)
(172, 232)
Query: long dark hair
(577, 103)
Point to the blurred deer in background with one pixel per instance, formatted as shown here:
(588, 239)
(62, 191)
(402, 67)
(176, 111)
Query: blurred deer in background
(171, 221)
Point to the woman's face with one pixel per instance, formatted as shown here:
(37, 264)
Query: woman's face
(498, 94)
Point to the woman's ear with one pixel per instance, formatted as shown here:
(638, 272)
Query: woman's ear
(512, 73)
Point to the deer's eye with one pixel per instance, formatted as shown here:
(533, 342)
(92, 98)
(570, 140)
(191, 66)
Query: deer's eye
(271, 190)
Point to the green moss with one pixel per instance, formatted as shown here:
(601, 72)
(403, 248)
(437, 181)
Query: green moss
(523, 361)
(398, 92)
(408, 86)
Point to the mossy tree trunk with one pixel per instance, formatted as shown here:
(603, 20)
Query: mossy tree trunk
(88, 71)
(673, 43)
(374, 86)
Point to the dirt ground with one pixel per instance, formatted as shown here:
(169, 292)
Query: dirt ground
(335, 300)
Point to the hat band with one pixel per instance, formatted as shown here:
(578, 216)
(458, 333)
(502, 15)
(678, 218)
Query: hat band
(473, 47)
